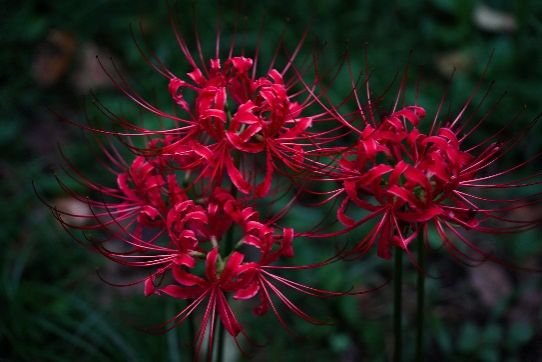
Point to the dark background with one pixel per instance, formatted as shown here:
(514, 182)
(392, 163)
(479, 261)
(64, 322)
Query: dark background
(53, 307)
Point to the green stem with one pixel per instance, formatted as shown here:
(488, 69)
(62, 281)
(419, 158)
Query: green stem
(397, 301)
(192, 331)
(221, 340)
(226, 250)
(420, 315)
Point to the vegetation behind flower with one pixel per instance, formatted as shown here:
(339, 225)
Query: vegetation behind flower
(329, 281)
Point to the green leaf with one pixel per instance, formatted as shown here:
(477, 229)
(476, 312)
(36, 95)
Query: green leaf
(469, 339)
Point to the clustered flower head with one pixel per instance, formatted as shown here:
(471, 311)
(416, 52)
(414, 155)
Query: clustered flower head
(186, 207)
(236, 115)
(406, 174)
(193, 203)
(411, 178)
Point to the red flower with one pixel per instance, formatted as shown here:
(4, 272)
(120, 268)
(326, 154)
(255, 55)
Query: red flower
(239, 115)
(137, 202)
(197, 233)
(233, 123)
(402, 181)
(151, 222)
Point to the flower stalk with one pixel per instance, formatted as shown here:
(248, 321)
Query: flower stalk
(397, 305)
(228, 243)
(420, 301)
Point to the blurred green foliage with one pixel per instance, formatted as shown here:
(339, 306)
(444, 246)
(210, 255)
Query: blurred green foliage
(55, 308)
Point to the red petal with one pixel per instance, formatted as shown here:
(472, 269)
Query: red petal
(263, 188)
(235, 176)
(232, 266)
(235, 140)
(210, 264)
(248, 292)
(186, 260)
(214, 113)
(229, 321)
(187, 279)
(301, 124)
(401, 193)
(197, 76)
(179, 292)
(149, 286)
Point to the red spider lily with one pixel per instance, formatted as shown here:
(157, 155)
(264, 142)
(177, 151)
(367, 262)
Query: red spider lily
(138, 201)
(240, 115)
(243, 280)
(189, 233)
(234, 126)
(226, 272)
(402, 180)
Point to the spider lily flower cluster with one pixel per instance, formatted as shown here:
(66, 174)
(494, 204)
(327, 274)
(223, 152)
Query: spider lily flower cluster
(186, 207)
(417, 180)
(406, 180)
(187, 204)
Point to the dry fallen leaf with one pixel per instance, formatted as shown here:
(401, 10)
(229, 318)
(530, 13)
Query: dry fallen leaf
(72, 206)
(456, 60)
(492, 20)
(491, 283)
(89, 74)
(53, 58)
